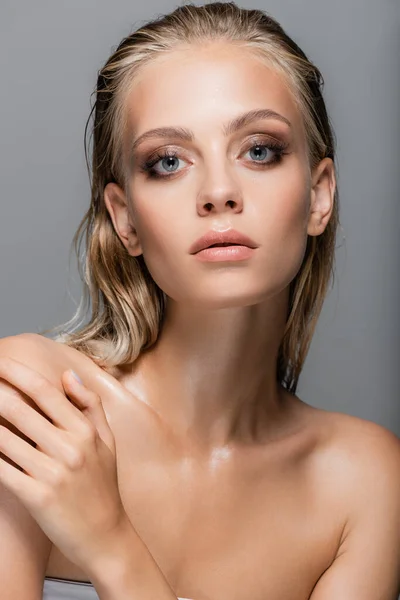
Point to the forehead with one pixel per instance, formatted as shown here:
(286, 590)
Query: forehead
(204, 86)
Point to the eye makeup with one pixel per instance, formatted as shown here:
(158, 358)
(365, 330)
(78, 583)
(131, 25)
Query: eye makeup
(259, 142)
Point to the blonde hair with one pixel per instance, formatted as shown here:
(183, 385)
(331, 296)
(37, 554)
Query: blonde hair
(127, 305)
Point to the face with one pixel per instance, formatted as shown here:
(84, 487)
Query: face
(254, 179)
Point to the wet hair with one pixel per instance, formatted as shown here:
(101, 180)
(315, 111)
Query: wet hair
(127, 306)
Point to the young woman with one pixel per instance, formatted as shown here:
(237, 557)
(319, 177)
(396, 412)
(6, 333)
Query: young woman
(210, 242)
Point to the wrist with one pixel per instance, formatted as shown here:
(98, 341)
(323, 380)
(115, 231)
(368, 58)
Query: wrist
(127, 570)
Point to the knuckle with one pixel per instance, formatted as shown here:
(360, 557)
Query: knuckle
(88, 432)
(75, 459)
(57, 475)
(44, 497)
(39, 385)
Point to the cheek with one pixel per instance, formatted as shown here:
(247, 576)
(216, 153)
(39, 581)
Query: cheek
(276, 215)
(283, 223)
(153, 229)
(161, 242)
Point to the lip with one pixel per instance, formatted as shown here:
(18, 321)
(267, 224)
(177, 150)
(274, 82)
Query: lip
(225, 254)
(221, 237)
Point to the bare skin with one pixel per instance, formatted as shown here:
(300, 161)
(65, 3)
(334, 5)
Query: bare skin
(258, 520)
(216, 356)
(219, 465)
(238, 488)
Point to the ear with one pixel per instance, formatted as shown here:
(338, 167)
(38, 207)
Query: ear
(322, 196)
(117, 205)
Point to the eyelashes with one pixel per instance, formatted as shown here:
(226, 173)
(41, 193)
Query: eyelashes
(274, 146)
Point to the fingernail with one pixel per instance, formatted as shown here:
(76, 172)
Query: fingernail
(77, 377)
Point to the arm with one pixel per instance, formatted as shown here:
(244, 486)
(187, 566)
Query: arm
(24, 548)
(367, 564)
(129, 572)
(127, 568)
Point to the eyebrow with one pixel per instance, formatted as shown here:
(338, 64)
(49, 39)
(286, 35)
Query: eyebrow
(184, 134)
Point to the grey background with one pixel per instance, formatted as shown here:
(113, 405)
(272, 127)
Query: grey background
(50, 54)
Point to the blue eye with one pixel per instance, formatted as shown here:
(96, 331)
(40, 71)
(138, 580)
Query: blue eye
(166, 162)
(258, 149)
(167, 158)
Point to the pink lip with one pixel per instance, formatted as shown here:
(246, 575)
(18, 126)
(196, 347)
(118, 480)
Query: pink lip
(225, 253)
(219, 237)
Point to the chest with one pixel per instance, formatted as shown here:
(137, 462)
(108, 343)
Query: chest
(217, 539)
(224, 538)
(259, 528)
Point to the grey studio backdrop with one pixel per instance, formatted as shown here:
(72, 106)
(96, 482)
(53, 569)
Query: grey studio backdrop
(50, 54)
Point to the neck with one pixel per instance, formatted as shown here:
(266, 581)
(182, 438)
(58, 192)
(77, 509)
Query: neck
(211, 375)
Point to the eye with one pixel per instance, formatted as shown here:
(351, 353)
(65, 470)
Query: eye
(261, 152)
(168, 158)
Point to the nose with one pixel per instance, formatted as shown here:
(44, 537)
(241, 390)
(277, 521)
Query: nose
(220, 193)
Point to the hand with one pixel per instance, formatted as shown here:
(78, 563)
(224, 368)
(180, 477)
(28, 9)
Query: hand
(68, 482)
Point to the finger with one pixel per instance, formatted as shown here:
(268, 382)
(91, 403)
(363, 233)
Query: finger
(35, 427)
(91, 406)
(46, 396)
(20, 484)
(32, 461)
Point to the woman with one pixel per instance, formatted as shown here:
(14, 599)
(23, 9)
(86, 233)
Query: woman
(209, 130)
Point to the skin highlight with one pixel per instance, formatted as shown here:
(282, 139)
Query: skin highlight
(237, 487)
(211, 374)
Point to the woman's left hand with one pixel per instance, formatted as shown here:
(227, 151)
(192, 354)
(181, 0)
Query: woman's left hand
(69, 481)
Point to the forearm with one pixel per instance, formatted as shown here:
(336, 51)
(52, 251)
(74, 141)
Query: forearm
(129, 572)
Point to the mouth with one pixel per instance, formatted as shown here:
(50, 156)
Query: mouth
(215, 239)
(224, 244)
(225, 252)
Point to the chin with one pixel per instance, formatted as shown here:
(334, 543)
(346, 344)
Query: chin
(214, 301)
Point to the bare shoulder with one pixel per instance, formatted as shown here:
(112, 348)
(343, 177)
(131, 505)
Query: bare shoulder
(67, 357)
(357, 468)
(120, 403)
(359, 463)
(359, 447)
(372, 459)
(47, 357)
(362, 440)
(28, 344)
(44, 354)
(30, 349)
